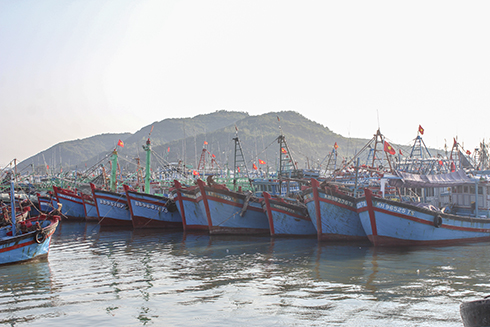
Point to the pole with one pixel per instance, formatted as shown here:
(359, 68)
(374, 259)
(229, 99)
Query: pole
(148, 172)
(113, 170)
(12, 205)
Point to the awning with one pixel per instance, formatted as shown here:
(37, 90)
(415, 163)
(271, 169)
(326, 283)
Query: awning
(437, 180)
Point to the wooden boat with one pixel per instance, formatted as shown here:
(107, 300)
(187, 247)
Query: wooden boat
(476, 313)
(152, 211)
(72, 202)
(28, 239)
(396, 223)
(187, 200)
(30, 242)
(287, 218)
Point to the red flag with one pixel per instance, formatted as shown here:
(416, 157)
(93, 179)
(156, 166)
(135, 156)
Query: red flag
(205, 142)
(468, 152)
(120, 143)
(262, 162)
(336, 146)
(254, 166)
(421, 130)
(388, 148)
(238, 168)
(195, 173)
(213, 156)
(47, 166)
(455, 142)
(283, 150)
(400, 150)
(168, 149)
(440, 162)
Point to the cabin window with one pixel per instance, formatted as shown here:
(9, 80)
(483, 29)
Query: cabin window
(460, 189)
(472, 190)
(480, 190)
(465, 189)
(429, 191)
(455, 190)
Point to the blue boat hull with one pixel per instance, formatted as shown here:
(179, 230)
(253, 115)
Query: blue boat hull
(28, 246)
(393, 223)
(287, 219)
(72, 205)
(152, 211)
(90, 210)
(112, 208)
(334, 215)
(232, 213)
(188, 203)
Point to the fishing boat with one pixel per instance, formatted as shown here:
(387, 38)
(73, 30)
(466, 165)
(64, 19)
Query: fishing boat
(152, 211)
(112, 206)
(287, 217)
(399, 223)
(332, 203)
(72, 202)
(187, 199)
(476, 313)
(26, 240)
(236, 211)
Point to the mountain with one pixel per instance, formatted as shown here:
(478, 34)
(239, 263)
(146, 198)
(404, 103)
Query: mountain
(183, 139)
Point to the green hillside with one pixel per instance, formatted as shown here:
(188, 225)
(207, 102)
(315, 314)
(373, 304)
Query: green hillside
(183, 140)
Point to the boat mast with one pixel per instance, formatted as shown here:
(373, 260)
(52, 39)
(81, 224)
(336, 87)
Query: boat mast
(113, 170)
(12, 205)
(147, 148)
(239, 160)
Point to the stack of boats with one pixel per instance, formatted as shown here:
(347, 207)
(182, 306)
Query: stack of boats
(370, 202)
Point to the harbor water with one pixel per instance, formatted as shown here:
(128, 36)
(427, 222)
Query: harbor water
(98, 277)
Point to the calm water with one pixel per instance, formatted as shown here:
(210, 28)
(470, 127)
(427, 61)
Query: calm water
(135, 278)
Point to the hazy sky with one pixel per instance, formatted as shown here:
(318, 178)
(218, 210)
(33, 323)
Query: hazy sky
(73, 69)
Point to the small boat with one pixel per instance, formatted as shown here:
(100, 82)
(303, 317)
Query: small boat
(31, 241)
(287, 217)
(476, 313)
(28, 239)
